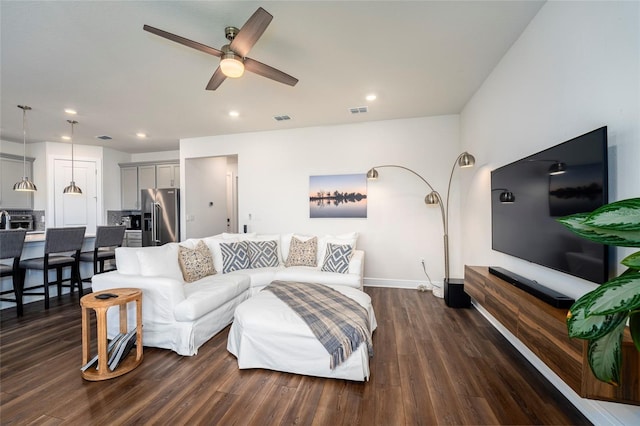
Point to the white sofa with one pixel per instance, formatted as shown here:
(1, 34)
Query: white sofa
(180, 315)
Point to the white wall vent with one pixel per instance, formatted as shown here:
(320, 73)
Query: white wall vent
(281, 117)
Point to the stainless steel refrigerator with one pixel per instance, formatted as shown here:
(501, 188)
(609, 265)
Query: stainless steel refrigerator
(160, 216)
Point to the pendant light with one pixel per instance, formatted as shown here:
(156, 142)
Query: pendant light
(72, 188)
(25, 184)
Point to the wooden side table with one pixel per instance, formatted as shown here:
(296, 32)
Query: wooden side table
(100, 306)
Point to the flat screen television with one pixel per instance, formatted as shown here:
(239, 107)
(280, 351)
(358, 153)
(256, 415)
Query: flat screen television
(568, 178)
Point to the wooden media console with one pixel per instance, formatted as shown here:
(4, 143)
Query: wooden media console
(542, 328)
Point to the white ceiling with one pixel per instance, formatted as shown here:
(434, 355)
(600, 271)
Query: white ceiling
(421, 58)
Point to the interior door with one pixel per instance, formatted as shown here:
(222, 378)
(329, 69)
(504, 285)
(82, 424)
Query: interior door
(76, 210)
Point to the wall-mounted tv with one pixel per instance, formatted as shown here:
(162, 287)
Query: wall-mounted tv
(568, 178)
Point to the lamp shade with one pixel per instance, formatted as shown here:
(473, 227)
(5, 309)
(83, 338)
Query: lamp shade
(507, 197)
(466, 160)
(25, 185)
(432, 198)
(72, 189)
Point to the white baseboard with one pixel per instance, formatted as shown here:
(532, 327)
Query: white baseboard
(598, 412)
(396, 283)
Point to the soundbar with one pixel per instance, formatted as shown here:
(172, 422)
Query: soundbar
(532, 287)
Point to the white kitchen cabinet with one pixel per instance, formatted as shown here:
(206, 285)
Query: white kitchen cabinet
(137, 176)
(11, 171)
(146, 177)
(129, 188)
(168, 176)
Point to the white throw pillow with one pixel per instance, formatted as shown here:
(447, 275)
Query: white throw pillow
(238, 237)
(161, 261)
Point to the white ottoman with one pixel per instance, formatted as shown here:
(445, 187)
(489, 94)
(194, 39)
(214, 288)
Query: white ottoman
(267, 333)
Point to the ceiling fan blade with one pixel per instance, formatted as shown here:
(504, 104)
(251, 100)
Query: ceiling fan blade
(216, 79)
(251, 32)
(185, 41)
(269, 72)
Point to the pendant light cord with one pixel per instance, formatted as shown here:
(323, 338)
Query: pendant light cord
(72, 124)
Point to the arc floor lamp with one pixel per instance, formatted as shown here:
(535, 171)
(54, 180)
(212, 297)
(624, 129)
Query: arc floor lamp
(464, 160)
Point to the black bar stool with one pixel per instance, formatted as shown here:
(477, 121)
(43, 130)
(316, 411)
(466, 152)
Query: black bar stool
(107, 239)
(59, 243)
(11, 243)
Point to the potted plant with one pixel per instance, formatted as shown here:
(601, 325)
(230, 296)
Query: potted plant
(600, 316)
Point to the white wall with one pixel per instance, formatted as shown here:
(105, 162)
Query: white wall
(111, 179)
(574, 69)
(155, 156)
(274, 169)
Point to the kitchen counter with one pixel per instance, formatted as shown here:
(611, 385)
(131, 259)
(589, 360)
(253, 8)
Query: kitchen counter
(39, 236)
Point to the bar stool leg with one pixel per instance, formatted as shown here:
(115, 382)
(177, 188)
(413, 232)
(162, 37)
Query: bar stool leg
(59, 280)
(17, 288)
(46, 287)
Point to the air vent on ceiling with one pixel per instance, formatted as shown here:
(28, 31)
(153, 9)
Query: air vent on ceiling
(281, 117)
(104, 137)
(359, 110)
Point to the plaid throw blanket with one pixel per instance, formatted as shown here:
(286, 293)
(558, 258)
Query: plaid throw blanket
(337, 321)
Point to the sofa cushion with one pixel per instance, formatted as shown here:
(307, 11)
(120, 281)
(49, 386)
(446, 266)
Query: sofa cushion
(307, 274)
(127, 260)
(161, 261)
(337, 258)
(263, 254)
(235, 256)
(302, 253)
(208, 294)
(195, 263)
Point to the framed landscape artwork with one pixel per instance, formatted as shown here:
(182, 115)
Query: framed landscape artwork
(342, 196)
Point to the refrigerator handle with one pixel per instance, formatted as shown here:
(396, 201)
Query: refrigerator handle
(154, 223)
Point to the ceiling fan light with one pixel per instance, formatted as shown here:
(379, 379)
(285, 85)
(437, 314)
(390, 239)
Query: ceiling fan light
(231, 64)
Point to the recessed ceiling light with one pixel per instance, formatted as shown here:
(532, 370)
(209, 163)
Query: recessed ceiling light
(141, 135)
(66, 138)
(371, 97)
(71, 111)
(234, 113)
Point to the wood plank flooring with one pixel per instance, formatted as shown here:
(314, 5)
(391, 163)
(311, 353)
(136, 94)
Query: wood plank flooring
(432, 365)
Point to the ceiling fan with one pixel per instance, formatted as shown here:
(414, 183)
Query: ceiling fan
(233, 56)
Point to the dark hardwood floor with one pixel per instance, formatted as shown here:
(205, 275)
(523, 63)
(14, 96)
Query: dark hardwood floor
(432, 365)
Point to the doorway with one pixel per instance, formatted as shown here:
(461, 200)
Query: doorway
(210, 196)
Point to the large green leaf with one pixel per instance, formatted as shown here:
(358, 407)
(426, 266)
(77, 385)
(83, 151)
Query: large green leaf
(620, 238)
(621, 294)
(634, 327)
(632, 261)
(605, 356)
(623, 215)
(581, 326)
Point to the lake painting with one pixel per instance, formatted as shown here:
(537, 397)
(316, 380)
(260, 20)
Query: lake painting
(338, 196)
